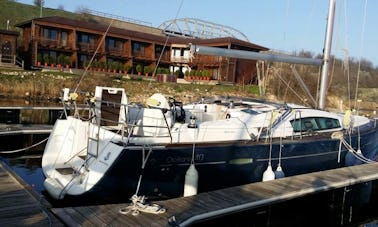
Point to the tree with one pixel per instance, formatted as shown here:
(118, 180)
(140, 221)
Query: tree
(61, 7)
(39, 2)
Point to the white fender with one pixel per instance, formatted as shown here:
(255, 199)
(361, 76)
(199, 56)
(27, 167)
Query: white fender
(268, 174)
(191, 181)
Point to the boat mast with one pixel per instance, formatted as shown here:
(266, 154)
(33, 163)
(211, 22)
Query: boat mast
(251, 55)
(326, 54)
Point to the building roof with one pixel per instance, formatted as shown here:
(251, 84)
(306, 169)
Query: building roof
(100, 28)
(8, 32)
(229, 40)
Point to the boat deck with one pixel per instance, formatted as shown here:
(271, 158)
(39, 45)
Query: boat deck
(20, 205)
(189, 210)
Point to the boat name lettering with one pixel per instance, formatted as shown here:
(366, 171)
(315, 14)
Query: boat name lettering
(178, 159)
(107, 156)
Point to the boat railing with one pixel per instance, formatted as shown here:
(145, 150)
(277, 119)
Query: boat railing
(151, 122)
(138, 121)
(251, 135)
(300, 123)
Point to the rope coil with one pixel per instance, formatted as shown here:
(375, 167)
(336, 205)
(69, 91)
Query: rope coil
(138, 205)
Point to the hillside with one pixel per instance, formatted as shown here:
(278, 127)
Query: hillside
(17, 12)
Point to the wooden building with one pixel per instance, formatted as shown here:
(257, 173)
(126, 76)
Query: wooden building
(8, 45)
(58, 40)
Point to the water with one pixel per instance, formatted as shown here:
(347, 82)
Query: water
(28, 168)
(322, 209)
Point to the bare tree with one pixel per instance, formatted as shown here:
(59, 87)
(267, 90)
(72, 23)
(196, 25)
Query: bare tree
(39, 2)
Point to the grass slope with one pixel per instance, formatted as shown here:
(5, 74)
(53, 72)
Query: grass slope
(17, 12)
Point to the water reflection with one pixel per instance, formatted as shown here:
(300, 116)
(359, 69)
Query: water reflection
(29, 116)
(27, 102)
(29, 168)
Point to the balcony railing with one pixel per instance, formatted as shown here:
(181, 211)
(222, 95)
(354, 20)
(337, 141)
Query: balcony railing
(86, 46)
(140, 54)
(164, 57)
(209, 60)
(180, 59)
(115, 51)
(54, 43)
(11, 59)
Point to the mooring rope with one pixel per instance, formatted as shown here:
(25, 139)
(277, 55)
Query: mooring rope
(23, 149)
(138, 203)
(355, 153)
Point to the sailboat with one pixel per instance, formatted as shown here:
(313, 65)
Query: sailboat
(168, 149)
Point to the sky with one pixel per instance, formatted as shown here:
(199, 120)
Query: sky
(284, 25)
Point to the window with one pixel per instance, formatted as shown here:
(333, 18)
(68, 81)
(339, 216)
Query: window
(64, 38)
(138, 49)
(86, 38)
(83, 59)
(114, 45)
(314, 124)
(110, 44)
(249, 111)
(49, 33)
(45, 32)
(118, 45)
(53, 34)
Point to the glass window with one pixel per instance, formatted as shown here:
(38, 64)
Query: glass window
(49, 33)
(119, 44)
(328, 123)
(111, 43)
(249, 111)
(64, 38)
(84, 38)
(53, 57)
(53, 34)
(91, 40)
(314, 124)
(45, 33)
(137, 47)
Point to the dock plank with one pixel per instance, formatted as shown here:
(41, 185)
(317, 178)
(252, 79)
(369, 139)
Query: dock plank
(188, 210)
(19, 205)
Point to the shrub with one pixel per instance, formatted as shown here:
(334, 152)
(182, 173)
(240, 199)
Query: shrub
(138, 68)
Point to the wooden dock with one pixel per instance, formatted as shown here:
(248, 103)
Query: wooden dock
(21, 129)
(12, 114)
(211, 205)
(20, 205)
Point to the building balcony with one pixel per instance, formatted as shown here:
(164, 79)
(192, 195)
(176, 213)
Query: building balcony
(116, 52)
(164, 57)
(54, 43)
(208, 60)
(86, 47)
(50, 43)
(180, 59)
(140, 54)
